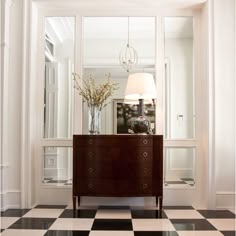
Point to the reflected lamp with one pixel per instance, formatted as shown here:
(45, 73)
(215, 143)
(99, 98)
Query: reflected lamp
(140, 87)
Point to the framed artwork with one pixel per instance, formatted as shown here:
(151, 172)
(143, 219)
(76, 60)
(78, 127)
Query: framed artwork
(124, 113)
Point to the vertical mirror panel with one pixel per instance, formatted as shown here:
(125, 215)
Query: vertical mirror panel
(179, 79)
(58, 83)
(104, 40)
(179, 167)
(57, 168)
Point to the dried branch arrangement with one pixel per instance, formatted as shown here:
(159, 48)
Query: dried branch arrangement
(95, 94)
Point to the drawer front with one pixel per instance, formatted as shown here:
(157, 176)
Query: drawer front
(115, 140)
(112, 187)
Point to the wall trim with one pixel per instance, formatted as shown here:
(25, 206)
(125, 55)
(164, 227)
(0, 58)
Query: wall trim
(225, 199)
(10, 199)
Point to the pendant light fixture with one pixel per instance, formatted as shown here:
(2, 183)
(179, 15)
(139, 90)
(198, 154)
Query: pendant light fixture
(128, 55)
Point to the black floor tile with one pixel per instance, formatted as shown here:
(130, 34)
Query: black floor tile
(112, 224)
(57, 182)
(187, 179)
(155, 233)
(192, 224)
(114, 207)
(83, 213)
(178, 207)
(217, 214)
(51, 206)
(66, 233)
(1, 230)
(14, 212)
(175, 182)
(228, 233)
(32, 223)
(148, 214)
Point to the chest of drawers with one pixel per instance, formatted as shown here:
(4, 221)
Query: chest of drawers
(117, 166)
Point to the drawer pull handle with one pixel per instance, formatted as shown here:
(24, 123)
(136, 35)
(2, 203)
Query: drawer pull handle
(90, 170)
(145, 186)
(145, 171)
(90, 141)
(90, 154)
(145, 154)
(90, 186)
(145, 141)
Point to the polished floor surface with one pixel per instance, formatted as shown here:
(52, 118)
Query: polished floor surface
(116, 221)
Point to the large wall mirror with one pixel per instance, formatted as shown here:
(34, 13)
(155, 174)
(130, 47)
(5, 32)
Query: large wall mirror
(179, 101)
(179, 79)
(104, 38)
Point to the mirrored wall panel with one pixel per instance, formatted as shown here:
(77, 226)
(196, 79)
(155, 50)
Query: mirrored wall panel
(179, 167)
(58, 83)
(179, 79)
(57, 166)
(105, 38)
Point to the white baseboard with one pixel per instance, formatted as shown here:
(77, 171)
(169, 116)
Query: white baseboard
(10, 199)
(225, 200)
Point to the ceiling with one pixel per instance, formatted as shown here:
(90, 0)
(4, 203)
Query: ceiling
(125, 4)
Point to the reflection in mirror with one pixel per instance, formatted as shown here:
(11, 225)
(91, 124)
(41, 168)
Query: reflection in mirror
(57, 168)
(179, 167)
(179, 80)
(104, 38)
(59, 65)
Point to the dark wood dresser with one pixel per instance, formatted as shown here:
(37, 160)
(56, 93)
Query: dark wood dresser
(118, 166)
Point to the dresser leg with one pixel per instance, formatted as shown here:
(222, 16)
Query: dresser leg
(160, 199)
(78, 201)
(74, 203)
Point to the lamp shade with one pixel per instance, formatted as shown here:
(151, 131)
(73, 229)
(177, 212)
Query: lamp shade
(140, 86)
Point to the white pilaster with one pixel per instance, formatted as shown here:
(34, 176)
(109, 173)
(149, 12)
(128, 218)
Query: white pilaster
(4, 63)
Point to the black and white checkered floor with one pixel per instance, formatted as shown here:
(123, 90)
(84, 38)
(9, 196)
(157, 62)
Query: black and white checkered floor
(116, 221)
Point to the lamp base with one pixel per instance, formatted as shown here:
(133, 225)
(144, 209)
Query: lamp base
(141, 125)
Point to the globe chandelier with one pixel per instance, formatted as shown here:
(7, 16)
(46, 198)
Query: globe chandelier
(128, 55)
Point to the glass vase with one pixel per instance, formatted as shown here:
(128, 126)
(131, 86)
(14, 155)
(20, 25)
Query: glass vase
(94, 120)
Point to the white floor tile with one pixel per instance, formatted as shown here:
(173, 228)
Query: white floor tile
(22, 232)
(113, 214)
(113, 233)
(5, 222)
(44, 213)
(199, 233)
(152, 225)
(72, 224)
(183, 214)
(223, 224)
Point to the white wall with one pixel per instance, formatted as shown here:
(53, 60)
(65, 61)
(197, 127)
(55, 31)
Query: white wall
(224, 35)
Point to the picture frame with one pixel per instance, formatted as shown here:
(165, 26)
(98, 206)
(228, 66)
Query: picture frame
(124, 113)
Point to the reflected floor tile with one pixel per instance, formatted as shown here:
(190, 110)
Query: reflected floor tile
(111, 233)
(33, 223)
(114, 207)
(44, 213)
(66, 233)
(228, 233)
(5, 222)
(14, 212)
(51, 206)
(152, 225)
(113, 214)
(72, 224)
(111, 224)
(183, 214)
(178, 207)
(223, 224)
(155, 233)
(83, 213)
(217, 214)
(148, 214)
(21, 232)
(199, 233)
(192, 224)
